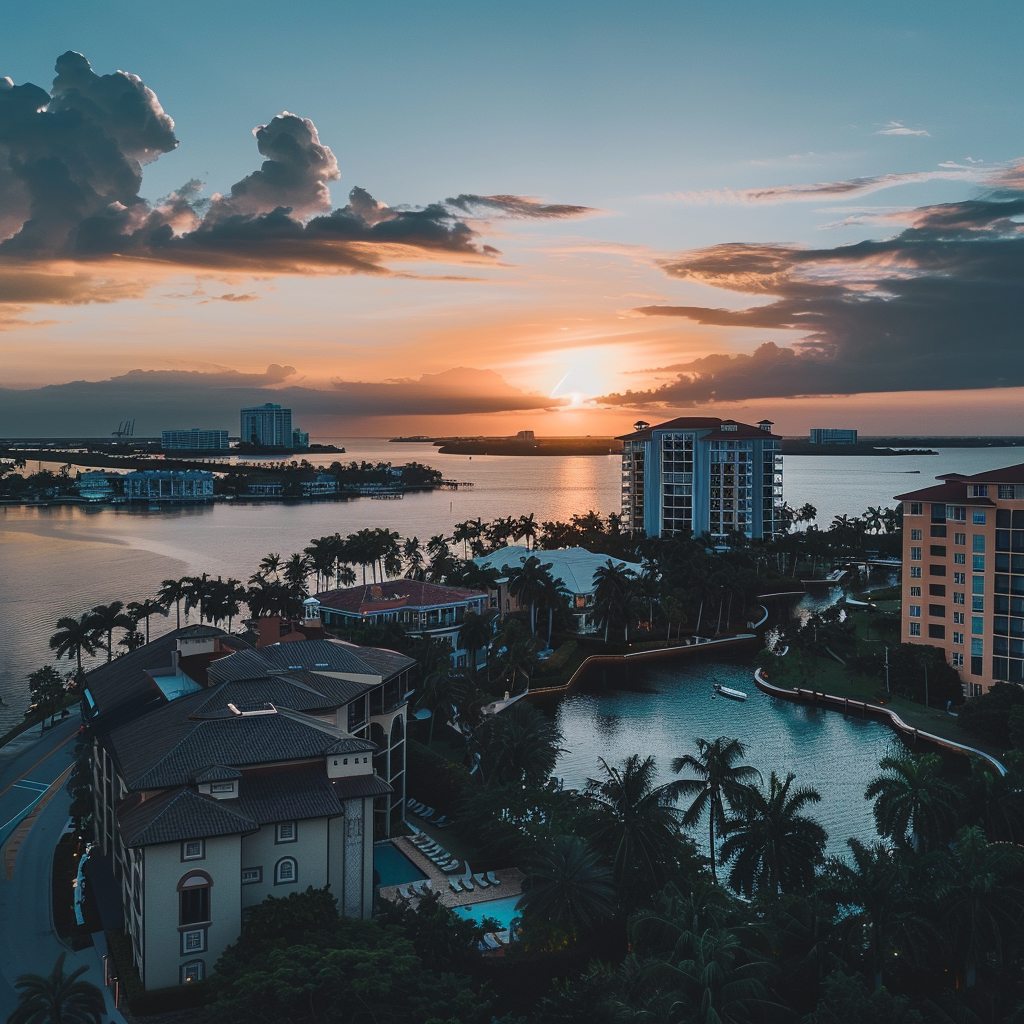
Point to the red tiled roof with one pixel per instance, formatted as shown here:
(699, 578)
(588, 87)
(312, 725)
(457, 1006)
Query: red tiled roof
(953, 490)
(375, 597)
(713, 423)
(1006, 475)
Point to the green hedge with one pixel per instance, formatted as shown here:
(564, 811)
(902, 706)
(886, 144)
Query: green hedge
(436, 780)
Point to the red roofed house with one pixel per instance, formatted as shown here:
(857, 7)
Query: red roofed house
(421, 609)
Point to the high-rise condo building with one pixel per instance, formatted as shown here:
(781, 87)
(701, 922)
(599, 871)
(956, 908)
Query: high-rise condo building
(268, 425)
(964, 538)
(833, 435)
(702, 473)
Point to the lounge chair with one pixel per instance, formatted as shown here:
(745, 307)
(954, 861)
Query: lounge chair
(403, 892)
(455, 885)
(467, 883)
(422, 888)
(492, 878)
(410, 802)
(427, 812)
(441, 824)
(438, 821)
(420, 839)
(430, 848)
(441, 857)
(415, 806)
(450, 866)
(481, 881)
(491, 941)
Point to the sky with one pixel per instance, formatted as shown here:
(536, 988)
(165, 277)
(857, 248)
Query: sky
(479, 218)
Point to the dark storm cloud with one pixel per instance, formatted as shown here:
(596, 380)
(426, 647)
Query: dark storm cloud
(71, 171)
(156, 398)
(938, 306)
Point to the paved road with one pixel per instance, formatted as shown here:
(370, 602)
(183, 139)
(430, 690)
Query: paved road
(28, 942)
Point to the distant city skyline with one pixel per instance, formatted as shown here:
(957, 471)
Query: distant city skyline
(472, 223)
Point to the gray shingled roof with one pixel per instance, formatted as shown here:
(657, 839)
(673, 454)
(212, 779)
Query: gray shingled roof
(168, 746)
(177, 815)
(357, 786)
(215, 773)
(287, 794)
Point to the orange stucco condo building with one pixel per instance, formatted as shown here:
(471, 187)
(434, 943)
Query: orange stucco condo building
(963, 573)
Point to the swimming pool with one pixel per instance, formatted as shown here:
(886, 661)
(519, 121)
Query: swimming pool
(392, 867)
(500, 910)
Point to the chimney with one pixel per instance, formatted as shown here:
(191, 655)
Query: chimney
(766, 425)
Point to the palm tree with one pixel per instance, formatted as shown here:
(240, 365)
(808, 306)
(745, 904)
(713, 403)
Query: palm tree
(413, 557)
(873, 894)
(174, 592)
(107, 618)
(912, 799)
(270, 565)
(440, 692)
(720, 782)
(527, 582)
(296, 571)
(74, 636)
(518, 746)
(613, 596)
(979, 897)
(720, 982)
(635, 825)
(776, 848)
(58, 999)
(568, 888)
(474, 634)
(144, 610)
(528, 529)
(554, 595)
(519, 659)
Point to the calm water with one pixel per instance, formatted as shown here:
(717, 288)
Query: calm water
(61, 561)
(834, 754)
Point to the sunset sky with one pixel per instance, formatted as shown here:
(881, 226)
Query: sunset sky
(478, 218)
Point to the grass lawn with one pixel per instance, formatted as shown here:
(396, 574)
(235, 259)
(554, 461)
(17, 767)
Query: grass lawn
(828, 676)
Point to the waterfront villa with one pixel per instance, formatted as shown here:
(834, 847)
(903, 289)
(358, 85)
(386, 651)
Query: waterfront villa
(224, 774)
(702, 473)
(574, 567)
(175, 485)
(432, 610)
(964, 537)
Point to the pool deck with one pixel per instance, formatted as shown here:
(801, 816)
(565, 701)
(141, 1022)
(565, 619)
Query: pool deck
(511, 880)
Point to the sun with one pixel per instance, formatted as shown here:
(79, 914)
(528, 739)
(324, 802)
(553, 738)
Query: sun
(581, 382)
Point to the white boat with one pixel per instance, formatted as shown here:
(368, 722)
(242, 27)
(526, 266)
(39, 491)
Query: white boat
(727, 691)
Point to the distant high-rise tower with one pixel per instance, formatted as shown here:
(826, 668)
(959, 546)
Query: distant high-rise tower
(268, 425)
(701, 473)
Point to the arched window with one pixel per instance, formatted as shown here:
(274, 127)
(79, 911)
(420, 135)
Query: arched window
(194, 970)
(286, 871)
(194, 898)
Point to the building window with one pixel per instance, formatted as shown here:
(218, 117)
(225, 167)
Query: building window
(915, 554)
(979, 519)
(977, 625)
(915, 611)
(915, 591)
(937, 530)
(977, 584)
(936, 632)
(958, 595)
(193, 849)
(958, 638)
(250, 876)
(915, 629)
(937, 611)
(978, 542)
(957, 660)
(958, 513)
(286, 872)
(194, 970)
(958, 618)
(959, 578)
(915, 572)
(937, 551)
(936, 589)
(960, 538)
(193, 940)
(938, 570)
(979, 491)
(222, 787)
(916, 508)
(959, 557)
(287, 832)
(194, 898)
(977, 603)
(1011, 491)
(916, 534)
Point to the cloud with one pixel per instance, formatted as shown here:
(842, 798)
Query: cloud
(937, 306)
(161, 399)
(830, 189)
(71, 172)
(898, 128)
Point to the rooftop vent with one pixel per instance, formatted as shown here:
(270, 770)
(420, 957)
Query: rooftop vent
(321, 664)
(233, 709)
